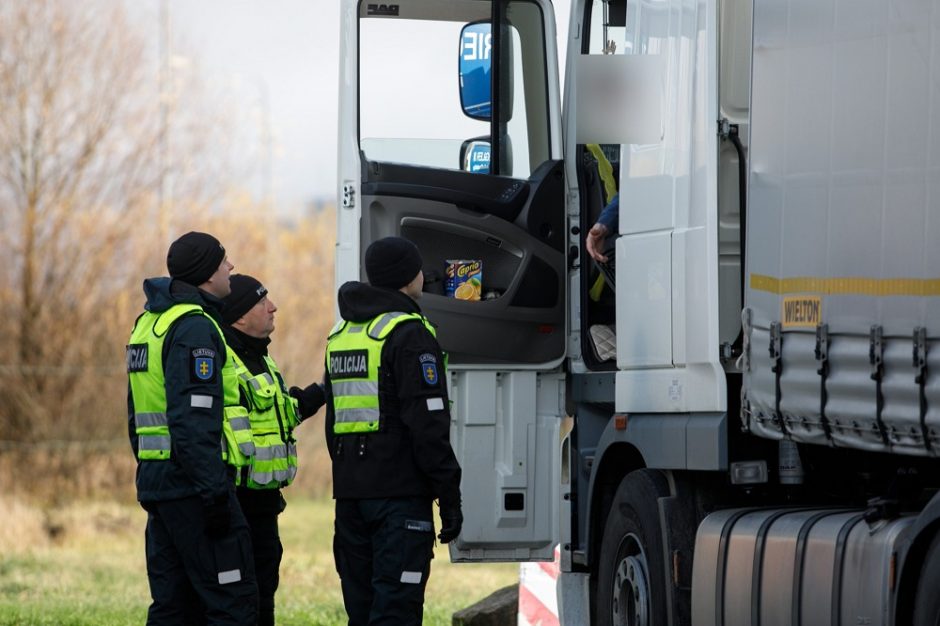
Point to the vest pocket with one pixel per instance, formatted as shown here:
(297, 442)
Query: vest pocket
(261, 391)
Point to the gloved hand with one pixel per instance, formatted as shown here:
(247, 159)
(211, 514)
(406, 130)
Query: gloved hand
(218, 516)
(451, 522)
(309, 399)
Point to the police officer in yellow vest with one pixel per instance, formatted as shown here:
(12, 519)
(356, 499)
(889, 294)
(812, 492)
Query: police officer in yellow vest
(388, 433)
(274, 413)
(189, 434)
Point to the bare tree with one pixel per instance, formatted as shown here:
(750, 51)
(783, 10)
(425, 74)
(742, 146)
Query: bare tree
(82, 157)
(79, 177)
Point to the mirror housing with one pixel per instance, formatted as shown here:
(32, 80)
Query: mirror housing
(475, 155)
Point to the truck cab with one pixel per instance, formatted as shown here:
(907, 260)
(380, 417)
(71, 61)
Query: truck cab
(635, 412)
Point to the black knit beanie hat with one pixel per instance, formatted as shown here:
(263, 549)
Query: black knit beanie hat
(247, 291)
(194, 257)
(392, 262)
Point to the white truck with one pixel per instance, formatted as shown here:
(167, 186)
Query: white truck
(715, 428)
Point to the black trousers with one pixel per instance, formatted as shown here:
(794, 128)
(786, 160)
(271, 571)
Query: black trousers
(261, 508)
(383, 550)
(194, 578)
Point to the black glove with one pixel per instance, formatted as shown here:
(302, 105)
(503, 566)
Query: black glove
(309, 400)
(451, 522)
(218, 516)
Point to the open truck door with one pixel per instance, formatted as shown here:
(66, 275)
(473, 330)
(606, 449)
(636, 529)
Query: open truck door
(450, 136)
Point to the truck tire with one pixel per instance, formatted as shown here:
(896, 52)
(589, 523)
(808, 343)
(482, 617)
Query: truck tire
(927, 600)
(631, 574)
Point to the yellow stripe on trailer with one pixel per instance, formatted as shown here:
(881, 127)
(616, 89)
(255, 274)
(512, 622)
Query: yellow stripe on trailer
(847, 286)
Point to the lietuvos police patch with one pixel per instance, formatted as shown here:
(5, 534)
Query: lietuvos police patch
(202, 365)
(428, 364)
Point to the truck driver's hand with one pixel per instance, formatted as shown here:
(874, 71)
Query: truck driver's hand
(595, 242)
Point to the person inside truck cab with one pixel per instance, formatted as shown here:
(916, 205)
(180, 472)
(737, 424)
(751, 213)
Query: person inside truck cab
(607, 222)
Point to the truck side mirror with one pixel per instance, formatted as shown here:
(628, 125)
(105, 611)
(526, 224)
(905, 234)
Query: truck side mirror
(475, 70)
(475, 155)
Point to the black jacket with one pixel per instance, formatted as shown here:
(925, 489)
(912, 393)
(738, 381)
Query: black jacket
(195, 466)
(411, 454)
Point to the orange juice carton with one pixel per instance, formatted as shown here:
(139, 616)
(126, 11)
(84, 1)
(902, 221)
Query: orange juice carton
(463, 279)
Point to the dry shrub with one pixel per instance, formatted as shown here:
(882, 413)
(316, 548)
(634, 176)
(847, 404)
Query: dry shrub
(87, 521)
(67, 471)
(78, 442)
(24, 525)
(30, 526)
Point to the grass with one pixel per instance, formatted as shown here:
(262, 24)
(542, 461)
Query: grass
(83, 565)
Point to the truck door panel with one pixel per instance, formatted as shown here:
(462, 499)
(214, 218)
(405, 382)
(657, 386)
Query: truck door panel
(416, 161)
(513, 226)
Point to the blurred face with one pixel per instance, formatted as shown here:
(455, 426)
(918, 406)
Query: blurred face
(258, 322)
(218, 284)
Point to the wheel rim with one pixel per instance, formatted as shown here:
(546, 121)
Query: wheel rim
(630, 606)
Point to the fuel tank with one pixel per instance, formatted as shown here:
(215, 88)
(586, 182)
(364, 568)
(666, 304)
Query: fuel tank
(789, 567)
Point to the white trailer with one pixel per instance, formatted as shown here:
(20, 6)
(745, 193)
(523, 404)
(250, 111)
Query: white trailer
(756, 441)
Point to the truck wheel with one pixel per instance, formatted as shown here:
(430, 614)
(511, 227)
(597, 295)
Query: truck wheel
(631, 575)
(927, 600)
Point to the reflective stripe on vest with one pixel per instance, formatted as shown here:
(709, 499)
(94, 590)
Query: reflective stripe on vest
(236, 428)
(273, 417)
(352, 362)
(148, 393)
(152, 443)
(275, 476)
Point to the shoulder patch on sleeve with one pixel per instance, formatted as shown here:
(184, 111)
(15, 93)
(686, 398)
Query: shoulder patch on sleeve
(428, 364)
(202, 365)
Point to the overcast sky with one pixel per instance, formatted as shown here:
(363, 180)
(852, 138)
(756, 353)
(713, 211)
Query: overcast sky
(284, 53)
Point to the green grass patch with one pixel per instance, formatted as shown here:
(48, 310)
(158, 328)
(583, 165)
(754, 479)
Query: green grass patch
(94, 573)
